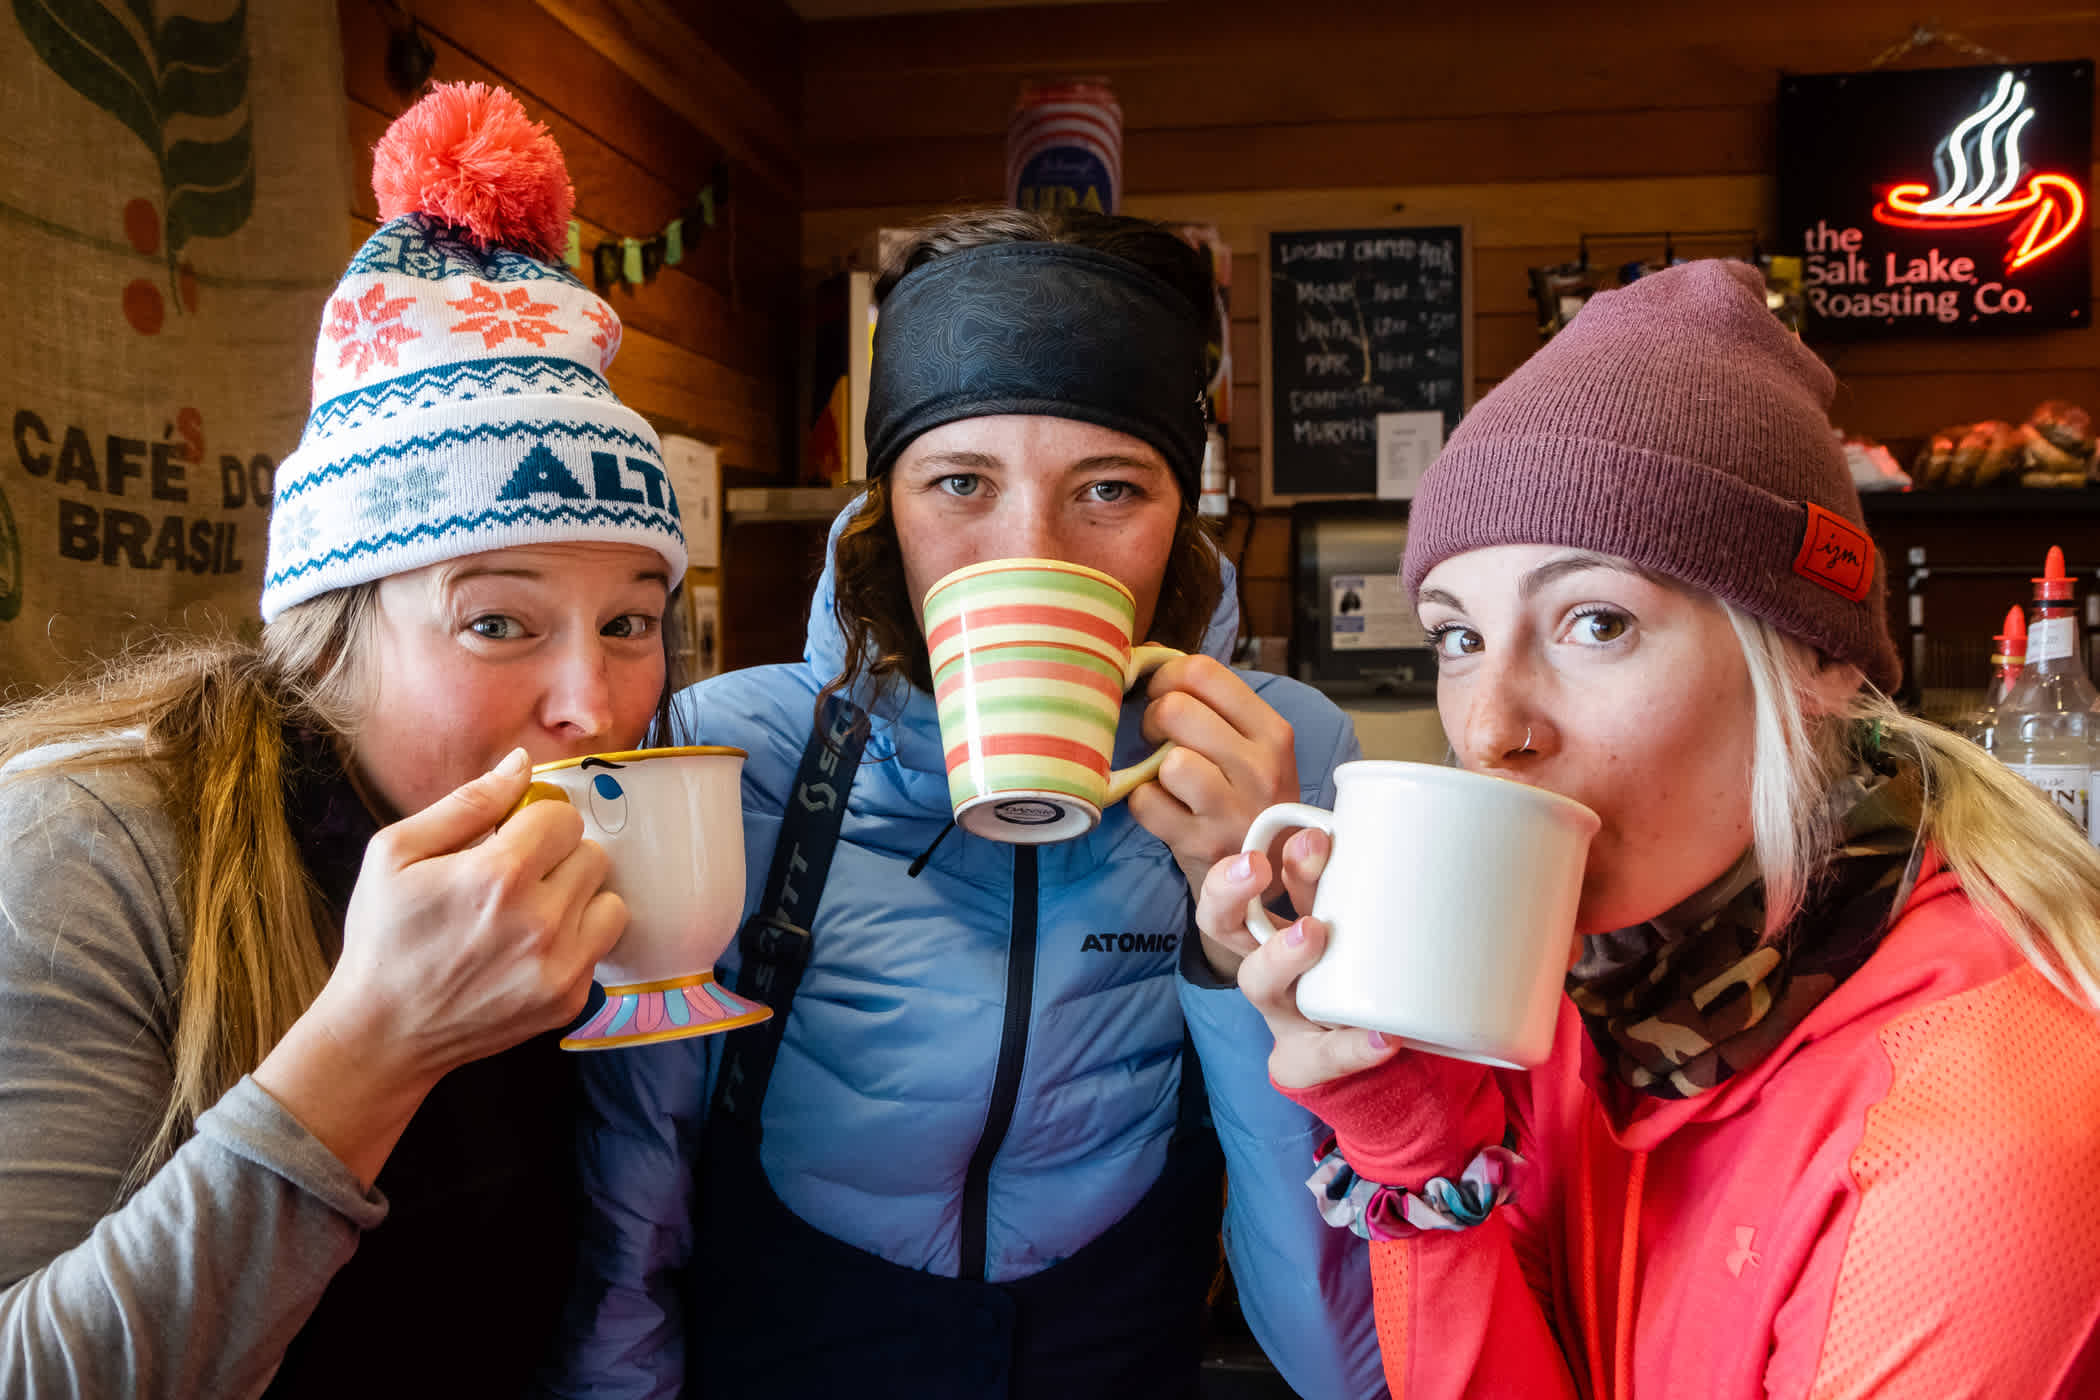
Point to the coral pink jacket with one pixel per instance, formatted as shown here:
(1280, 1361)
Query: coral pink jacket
(1903, 1199)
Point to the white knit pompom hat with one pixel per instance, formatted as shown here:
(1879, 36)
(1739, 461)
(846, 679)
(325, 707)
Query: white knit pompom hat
(460, 401)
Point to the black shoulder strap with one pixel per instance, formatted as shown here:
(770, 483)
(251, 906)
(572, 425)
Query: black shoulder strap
(775, 941)
(1192, 1117)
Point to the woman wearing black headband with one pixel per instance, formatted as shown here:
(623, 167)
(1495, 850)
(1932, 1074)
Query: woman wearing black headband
(972, 1155)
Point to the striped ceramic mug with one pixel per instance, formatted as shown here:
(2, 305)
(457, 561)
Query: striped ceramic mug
(1031, 659)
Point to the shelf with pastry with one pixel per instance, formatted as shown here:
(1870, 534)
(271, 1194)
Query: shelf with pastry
(2053, 450)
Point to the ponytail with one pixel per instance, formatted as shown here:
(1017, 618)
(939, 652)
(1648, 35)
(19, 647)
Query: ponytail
(2018, 860)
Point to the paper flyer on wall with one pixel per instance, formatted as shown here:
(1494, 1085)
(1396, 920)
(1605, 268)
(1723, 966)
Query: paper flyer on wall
(1371, 612)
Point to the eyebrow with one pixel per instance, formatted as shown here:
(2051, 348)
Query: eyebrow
(1554, 569)
(1117, 461)
(1560, 567)
(974, 461)
(1437, 595)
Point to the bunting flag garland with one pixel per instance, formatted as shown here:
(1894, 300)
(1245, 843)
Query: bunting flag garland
(636, 261)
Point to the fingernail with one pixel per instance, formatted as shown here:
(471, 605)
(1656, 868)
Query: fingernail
(1377, 1040)
(1242, 869)
(1294, 935)
(513, 763)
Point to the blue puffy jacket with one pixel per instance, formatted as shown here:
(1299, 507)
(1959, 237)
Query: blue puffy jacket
(879, 1096)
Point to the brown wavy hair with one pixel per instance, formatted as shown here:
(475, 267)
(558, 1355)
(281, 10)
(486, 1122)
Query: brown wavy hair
(871, 603)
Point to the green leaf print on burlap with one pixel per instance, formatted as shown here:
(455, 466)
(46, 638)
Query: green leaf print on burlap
(144, 73)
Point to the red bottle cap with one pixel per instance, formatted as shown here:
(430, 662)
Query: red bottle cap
(2054, 586)
(2012, 640)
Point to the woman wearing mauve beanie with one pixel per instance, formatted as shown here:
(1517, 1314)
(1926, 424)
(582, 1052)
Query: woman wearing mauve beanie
(1835, 972)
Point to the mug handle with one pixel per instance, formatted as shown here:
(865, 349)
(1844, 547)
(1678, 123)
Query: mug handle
(1264, 829)
(1144, 660)
(541, 792)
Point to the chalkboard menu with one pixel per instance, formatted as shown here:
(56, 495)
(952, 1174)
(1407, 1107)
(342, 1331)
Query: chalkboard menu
(1358, 322)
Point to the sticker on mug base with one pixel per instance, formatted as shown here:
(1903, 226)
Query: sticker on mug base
(1027, 818)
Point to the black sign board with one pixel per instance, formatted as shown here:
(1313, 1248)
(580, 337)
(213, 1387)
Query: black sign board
(1358, 322)
(1946, 201)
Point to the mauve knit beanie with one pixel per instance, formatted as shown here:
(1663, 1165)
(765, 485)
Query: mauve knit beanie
(1676, 425)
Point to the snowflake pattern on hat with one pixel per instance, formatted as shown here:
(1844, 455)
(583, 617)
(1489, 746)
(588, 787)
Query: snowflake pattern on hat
(297, 527)
(367, 329)
(415, 490)
(488, 309)
(607, 336)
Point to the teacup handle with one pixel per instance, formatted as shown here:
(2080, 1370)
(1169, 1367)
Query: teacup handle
(1265, 828)
(541, 792)
(1144, 660)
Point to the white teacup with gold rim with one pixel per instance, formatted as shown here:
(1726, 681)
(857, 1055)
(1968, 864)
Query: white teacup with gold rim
(1031, 659)
(671, 822)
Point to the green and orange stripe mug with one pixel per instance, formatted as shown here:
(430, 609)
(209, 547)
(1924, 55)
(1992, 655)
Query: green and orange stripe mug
(1031, 659)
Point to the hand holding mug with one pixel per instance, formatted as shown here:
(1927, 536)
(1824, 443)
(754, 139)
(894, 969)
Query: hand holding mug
(1234, 755)
(455, 947)
(1229, 886)
(1305, 1053)
(1403, 1123)
(467, 933)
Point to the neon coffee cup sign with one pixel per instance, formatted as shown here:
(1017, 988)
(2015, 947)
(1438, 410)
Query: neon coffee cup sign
(1937, 202)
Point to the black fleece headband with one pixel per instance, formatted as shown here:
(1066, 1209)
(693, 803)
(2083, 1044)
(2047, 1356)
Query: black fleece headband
(1044, 328)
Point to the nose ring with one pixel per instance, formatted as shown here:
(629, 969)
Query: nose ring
(1527, 740)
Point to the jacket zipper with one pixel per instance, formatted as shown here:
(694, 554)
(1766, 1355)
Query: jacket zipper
(1006, 1079)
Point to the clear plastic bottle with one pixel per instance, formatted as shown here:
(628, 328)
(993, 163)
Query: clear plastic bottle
(1981, 724)
(2047, 723)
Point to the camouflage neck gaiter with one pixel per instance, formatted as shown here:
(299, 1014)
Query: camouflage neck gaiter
(1679, 1004)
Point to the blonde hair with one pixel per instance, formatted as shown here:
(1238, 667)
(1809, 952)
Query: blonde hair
(206, 720)
(2018, 860)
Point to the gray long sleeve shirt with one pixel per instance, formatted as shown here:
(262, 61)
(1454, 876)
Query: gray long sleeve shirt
(195, 1284)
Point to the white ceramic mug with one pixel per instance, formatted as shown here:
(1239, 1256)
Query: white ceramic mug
(1449, 899)
(672, 825)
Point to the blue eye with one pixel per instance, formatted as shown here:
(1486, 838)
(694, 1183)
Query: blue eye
(608, 803)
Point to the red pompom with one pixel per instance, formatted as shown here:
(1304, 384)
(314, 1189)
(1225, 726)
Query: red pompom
(468, 154)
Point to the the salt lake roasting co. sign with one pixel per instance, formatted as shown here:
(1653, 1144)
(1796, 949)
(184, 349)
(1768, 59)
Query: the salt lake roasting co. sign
(1950, 201)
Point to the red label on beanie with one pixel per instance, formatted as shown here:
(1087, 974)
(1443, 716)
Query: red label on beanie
(1836, 554)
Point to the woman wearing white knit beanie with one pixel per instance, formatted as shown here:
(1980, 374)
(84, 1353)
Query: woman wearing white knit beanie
(280, 1104)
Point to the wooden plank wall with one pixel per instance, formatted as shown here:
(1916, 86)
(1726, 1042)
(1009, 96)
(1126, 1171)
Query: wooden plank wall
(1536, 122)
(645, 98)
